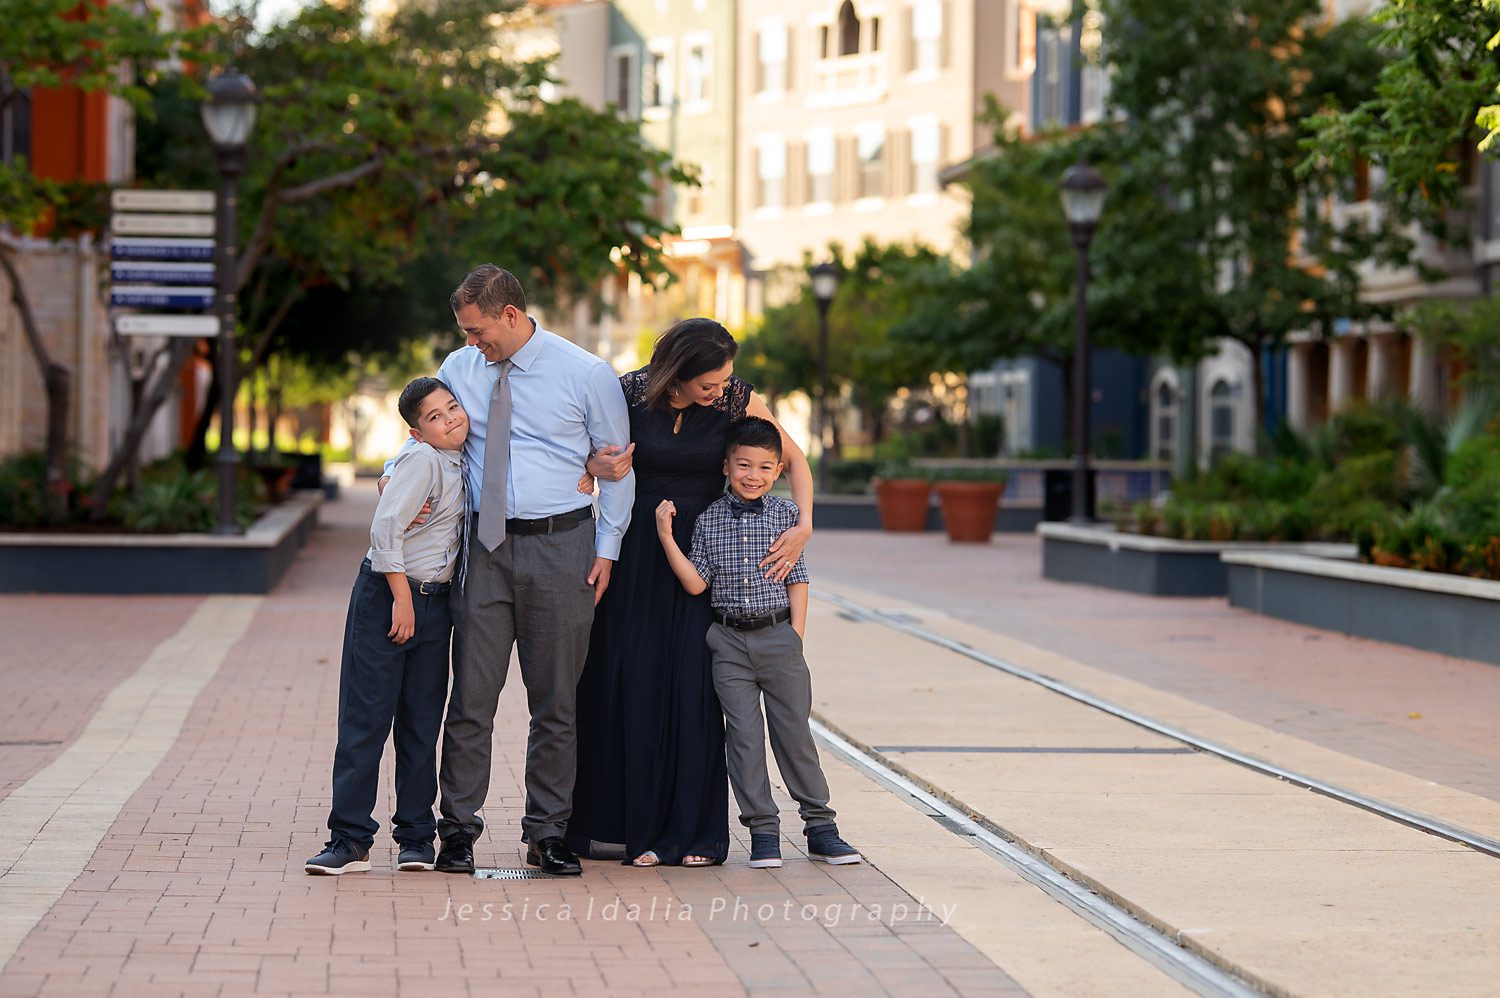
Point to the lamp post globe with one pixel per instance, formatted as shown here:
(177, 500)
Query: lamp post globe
(824, 278)
(1082, 189)
(228, 118)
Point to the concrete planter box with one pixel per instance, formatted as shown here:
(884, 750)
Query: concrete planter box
(1449, 614)
(840, 512)
(139, 564)
(1152, 566)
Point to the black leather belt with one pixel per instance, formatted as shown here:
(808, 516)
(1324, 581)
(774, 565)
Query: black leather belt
(550, 524)
(429, 588)
(753, 621)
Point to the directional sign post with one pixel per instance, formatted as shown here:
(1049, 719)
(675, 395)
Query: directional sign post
(162, 258)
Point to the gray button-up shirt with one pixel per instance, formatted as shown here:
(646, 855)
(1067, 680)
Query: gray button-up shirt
(428, 552)
(729, 540)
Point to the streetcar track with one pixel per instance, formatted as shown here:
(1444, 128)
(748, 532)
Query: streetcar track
(1195, 967)
(904, 624)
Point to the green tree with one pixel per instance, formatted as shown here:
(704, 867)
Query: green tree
(1433, 99)
(866, 357)
(1016, 298)
(1216, 94)
(384, 143)
(50, 43)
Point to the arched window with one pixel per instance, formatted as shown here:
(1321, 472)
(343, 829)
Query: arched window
(1220, 419)
(1164, 421)
(848, 29)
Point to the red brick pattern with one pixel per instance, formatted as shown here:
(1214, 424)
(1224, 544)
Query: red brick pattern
(63, 654)
(198, 887)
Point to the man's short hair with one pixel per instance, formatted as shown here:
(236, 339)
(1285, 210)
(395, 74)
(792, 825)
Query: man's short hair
(754, 432)
(491, 288)
(409, 405)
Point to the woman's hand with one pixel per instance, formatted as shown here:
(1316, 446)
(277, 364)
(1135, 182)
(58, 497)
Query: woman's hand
(783, 555)
(610, 464)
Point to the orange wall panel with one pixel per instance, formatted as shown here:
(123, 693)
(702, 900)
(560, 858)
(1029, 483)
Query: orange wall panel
(70, 134)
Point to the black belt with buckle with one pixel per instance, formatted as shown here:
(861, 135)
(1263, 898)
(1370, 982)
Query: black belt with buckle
(753, 621)
(429, 588)
(550, 524)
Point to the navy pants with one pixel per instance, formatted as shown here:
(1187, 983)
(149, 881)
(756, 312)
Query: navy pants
(385, 686)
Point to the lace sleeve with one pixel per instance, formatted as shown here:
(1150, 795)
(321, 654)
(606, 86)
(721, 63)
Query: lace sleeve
(736, 399)
(634, 386)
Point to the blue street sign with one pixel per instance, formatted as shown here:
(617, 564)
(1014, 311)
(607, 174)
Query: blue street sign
(148, 296)
(162, 273)
(147, 248)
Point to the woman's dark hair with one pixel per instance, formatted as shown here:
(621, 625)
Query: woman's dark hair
(687, 349)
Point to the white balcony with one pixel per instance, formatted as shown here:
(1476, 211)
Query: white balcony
(848, 79)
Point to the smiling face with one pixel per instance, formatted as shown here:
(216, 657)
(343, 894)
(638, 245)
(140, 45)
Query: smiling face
(441, 421)
(706, 389)
(752, 471)
(498, 338)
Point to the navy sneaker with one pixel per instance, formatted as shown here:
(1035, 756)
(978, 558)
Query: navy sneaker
(416, 856)
(825, 846)
(337, 858)
(765, 851)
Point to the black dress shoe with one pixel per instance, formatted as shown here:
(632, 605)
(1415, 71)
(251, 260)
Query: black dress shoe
(553, 857)
(457, 854)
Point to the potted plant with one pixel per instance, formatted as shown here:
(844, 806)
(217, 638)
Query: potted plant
(970, 499)
(902, 497)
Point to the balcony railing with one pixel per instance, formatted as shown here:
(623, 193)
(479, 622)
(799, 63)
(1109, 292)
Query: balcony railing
(849, 75)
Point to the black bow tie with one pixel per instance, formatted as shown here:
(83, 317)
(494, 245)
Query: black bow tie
(739, 507)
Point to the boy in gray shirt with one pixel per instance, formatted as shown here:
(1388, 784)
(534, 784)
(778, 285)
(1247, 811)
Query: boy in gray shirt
(756, 642)
(396, 638)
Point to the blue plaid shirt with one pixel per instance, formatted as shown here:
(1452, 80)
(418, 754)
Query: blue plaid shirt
(729, 540)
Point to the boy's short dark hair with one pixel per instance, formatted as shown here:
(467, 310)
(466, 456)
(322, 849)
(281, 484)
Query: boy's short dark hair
(754, 432)
(409, 405)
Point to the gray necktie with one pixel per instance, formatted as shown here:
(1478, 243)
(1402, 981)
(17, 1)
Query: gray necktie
(493, 493)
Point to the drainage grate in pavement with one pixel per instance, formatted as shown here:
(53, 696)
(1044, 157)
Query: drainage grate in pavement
(489, 873)
(1035, 749)
(27, 743)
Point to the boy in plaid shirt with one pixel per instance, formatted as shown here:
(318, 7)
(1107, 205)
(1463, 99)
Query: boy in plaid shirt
(756, 641)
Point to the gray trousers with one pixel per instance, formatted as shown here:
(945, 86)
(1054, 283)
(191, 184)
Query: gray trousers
(769, 662)
(532, 592)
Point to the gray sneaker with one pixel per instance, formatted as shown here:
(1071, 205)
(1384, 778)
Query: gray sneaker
(825, 846)
(416, 856)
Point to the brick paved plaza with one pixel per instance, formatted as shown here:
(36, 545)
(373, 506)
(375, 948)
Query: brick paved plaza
(165, 771)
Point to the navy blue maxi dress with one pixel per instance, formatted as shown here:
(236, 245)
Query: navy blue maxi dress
(651, 772)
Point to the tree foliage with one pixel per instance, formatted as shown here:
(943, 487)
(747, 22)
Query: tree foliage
(1217, 93)
(392, 154)
(1433, 99)
(868, 357)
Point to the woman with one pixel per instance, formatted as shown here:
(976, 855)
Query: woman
(651, 772)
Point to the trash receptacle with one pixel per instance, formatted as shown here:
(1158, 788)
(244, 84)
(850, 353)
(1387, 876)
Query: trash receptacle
(1057, 493)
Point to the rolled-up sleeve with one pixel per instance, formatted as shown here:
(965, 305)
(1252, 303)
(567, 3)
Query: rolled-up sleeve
(609, 426)
(414, 478)
(699, 554)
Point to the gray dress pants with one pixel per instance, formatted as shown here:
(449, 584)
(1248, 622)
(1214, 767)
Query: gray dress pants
(531, 592)
(769, 663)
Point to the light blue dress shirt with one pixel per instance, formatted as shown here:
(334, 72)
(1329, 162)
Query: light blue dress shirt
(565, 403)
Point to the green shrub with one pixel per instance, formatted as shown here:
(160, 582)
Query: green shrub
(851, 477)
(24, 497)
(1363, 430)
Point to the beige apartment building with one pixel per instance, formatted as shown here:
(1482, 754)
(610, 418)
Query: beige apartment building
(850, 108)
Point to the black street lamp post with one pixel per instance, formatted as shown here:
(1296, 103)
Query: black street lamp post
(228, 117)
(1083, 199)
(825, 284)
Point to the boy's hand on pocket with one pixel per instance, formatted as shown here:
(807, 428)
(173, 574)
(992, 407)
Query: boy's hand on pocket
(403, 621)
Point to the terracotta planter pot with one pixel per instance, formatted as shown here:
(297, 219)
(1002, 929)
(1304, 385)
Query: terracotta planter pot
(902, 503)
(969, 509)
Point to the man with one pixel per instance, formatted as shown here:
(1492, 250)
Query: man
(537, 562)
